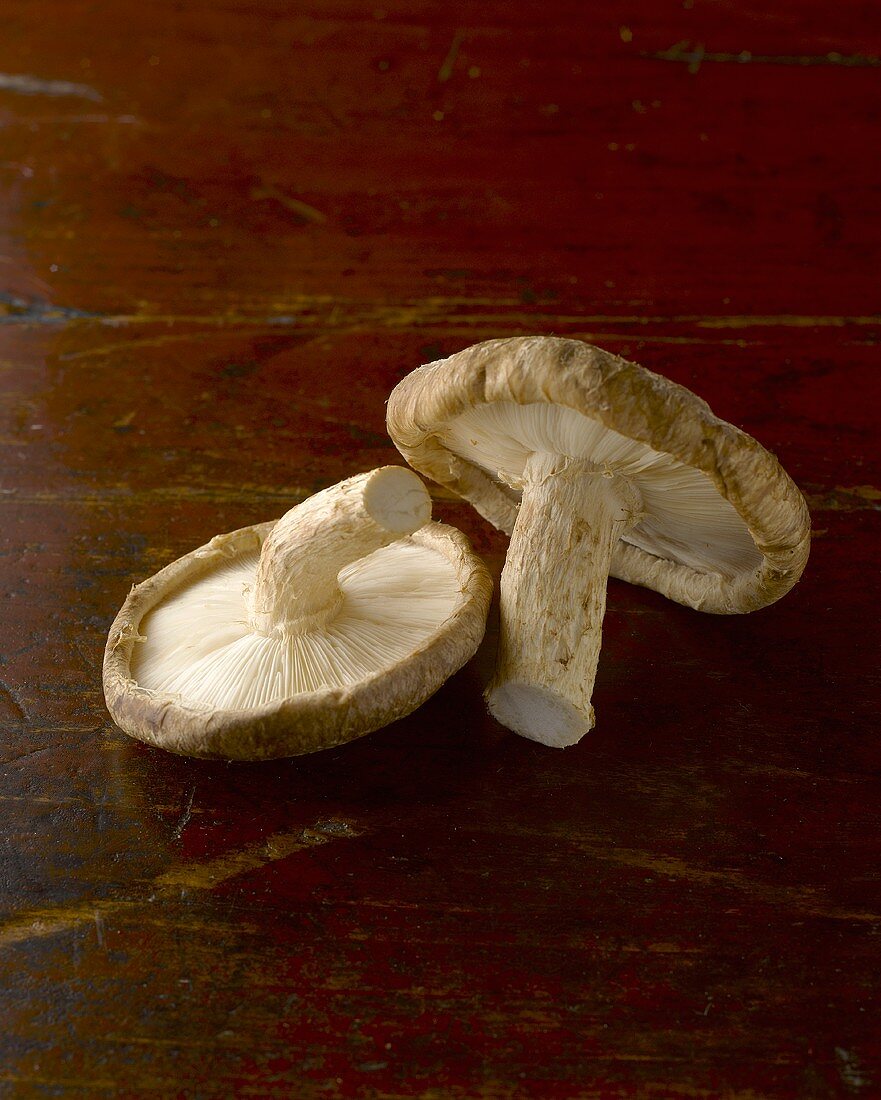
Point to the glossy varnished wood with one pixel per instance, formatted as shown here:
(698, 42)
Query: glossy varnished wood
(226, 231)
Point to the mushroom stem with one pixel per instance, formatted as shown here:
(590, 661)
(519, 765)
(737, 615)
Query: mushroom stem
(296, 587)
(553, 596)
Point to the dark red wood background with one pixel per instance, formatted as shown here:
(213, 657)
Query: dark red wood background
(227, 229)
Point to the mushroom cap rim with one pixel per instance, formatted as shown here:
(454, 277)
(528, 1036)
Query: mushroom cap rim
(303, 722)
(637, 403)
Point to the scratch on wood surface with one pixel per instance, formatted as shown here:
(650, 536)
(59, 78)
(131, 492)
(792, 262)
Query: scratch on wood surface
(48, 800)
(809, 901)
(82, 800)
(24, 84)
(147, 342)
(328, 312)
(171, 1086)
(31, 311)
(87, 1085)
(103, 1083)
(39, 923)
(296, 206)
(457, 313)
(805, 900)
(422, 311)
(694, 55)
(99, 927)
(662, 1088)
(205, 876)
(845, 498)
(26, 755)
(111, 349)
(186, 816)
(177, 1041)
(740, 767)
(446, 70)
(15, 706)
(50, 921)
(76, 120)
(451, 328)
(218, 494)
(783, 320)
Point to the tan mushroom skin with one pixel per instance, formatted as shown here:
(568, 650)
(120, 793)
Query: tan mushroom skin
(294, 636)
(595, 467)
(297, 584)
(553, 589)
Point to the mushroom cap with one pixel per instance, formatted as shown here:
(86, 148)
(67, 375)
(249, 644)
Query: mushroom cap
(457, 591)
(724, 528)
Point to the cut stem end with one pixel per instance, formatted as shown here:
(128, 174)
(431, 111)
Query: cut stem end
(538, 713)
(396, 499)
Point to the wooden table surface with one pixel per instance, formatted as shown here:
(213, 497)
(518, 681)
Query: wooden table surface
(227, 229)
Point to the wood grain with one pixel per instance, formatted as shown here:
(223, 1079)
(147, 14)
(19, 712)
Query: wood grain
(227, 230)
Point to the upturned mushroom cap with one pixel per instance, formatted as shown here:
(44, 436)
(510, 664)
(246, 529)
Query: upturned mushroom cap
(723, 528)
(594, 466)
(288, 637)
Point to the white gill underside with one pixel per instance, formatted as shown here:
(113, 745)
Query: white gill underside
(686, 519)
(198, 644)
